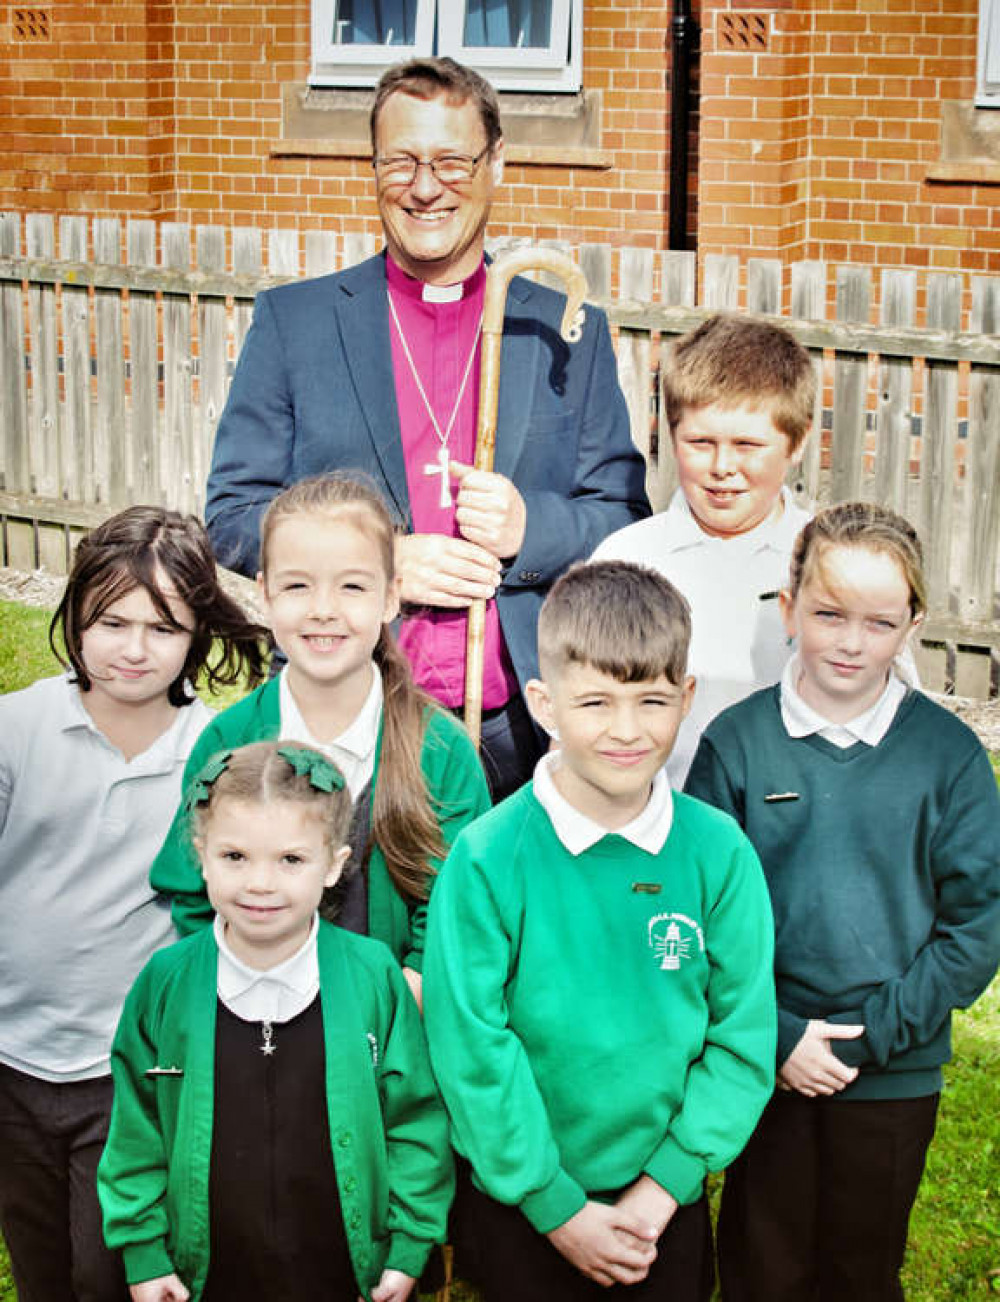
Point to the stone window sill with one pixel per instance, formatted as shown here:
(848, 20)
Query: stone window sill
(540, 130)
(970, 145)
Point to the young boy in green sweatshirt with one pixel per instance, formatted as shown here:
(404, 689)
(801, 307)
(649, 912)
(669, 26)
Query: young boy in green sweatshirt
(597, 981)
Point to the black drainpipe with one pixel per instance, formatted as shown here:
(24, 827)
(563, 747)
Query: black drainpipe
(684, 34)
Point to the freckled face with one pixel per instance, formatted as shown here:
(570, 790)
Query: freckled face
(433, 231)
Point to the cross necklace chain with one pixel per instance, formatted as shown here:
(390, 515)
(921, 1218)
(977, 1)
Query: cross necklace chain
(439, 466)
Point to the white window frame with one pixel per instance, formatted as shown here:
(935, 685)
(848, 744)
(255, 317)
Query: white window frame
(557, 67)
(988, 55)
(357, 64)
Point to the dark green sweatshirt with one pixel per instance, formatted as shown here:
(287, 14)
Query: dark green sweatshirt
(596, 1017)
(884, 869)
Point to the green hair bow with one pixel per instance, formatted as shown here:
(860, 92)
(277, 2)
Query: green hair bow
(201, 787)
(322, 773)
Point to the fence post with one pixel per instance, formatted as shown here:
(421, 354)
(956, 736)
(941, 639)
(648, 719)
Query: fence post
(850, 380)
(678, 278)
(109, 419)
(76, 450)
(16, 469)
(43, 406)
(764, 286)
(142, 449)
(636, 282)
(247, 260)
(937, 451)
(982, 464)
(894, 427)
(808, 303)
(178, 458)
(721, 287)
(210, 245)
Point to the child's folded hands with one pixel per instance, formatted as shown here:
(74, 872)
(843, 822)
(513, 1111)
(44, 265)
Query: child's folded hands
(608, 1244)
(812, 1067)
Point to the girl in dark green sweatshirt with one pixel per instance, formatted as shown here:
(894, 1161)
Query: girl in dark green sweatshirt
(877, 820)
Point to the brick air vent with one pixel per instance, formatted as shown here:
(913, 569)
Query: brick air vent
(31, 25)
(744, 32)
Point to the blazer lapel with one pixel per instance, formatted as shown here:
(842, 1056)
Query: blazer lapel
(363, 323)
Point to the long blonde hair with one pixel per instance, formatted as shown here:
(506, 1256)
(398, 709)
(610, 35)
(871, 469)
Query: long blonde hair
(404, 822)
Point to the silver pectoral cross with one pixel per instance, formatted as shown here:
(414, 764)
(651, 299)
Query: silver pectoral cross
(439, 466)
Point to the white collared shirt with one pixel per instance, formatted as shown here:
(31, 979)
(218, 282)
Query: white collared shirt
(79, 826)
(275, 995)
(801, 720)
(648, 830)
(738, 641)
(353, 751)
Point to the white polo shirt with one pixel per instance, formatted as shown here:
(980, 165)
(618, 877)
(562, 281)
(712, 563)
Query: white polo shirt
(738, 642)
(79, 827)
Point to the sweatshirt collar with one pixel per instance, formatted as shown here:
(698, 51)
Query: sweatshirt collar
(648, 830)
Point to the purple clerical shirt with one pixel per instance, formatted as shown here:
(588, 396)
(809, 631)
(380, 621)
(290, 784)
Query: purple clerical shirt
(442, 329)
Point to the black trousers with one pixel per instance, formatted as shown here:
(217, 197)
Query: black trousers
(51, 1139)
(514, 1263)
(818, 1206)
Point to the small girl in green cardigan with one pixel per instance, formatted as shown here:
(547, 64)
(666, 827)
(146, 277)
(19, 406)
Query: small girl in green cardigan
(877, 820)
(328, 583)
(276, 1129)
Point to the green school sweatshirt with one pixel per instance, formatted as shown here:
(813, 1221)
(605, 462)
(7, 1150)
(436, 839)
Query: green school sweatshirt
(595, 1017)
(455, 783)
(884, 869)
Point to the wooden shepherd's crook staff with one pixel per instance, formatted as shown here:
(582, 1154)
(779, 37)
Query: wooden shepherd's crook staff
(499, 274)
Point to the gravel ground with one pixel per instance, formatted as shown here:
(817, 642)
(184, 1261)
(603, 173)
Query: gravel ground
(38, 588)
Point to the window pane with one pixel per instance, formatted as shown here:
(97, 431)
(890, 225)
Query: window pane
(374, 22)
(508, 24)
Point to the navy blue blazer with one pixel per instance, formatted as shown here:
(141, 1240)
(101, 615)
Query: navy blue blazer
(314, 391)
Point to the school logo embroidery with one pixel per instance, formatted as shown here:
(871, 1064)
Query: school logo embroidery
(674, 937)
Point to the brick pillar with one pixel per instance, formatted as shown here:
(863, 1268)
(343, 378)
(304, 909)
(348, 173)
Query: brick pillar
(754, 154)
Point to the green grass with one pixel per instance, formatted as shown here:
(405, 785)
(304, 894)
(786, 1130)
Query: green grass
(25, 653)
(954, 1251)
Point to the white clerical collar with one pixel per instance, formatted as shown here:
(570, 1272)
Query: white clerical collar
(648, 830)
(354, 750)
(776, 533)
(275, 995)
(801, 720)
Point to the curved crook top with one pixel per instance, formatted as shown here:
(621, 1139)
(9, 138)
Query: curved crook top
(512, 263)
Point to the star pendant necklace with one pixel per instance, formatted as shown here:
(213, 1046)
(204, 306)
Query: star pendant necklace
(439, 466)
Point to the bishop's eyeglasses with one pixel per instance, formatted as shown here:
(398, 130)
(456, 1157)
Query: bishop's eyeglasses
(450, 169)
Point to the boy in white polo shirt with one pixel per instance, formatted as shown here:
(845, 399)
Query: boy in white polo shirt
(598, 990)
(739, 396)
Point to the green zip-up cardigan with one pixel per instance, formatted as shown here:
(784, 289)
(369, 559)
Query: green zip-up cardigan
(388, 1130)
(455, 783)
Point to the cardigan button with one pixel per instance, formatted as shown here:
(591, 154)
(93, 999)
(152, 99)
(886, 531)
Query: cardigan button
(350, 1184)
(355, 1220)
(344, 1139)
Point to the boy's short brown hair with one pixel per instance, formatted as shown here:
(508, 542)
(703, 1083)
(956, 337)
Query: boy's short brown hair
(624, 620)
(735, 360)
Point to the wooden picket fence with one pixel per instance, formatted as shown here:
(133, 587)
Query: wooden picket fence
(118, 340)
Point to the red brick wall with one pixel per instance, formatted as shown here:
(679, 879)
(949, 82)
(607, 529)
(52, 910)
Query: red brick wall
(173, 108)
(819, 146)
(816, 143)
